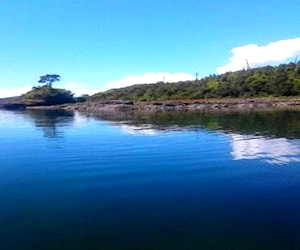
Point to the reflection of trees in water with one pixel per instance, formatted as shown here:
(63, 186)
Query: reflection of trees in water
(49, 121)
(271, 137)
(281, 123)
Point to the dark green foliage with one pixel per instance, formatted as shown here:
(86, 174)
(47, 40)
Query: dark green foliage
(49, 96)
(283, 80)
(49, 79)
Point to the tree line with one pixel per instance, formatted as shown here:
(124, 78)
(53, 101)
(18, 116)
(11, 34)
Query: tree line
(282, 80)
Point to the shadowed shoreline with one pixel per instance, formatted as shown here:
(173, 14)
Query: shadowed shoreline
(222, 104)
(228, 104)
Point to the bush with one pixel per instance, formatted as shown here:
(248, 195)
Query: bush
(50, 96)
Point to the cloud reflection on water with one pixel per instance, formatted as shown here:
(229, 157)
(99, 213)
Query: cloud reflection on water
(138, 130)
(275, 151)
(271, 150)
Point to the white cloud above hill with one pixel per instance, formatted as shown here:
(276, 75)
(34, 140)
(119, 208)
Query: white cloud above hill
(273, 53)
(150, 77)
(79, 89)
(14, 92)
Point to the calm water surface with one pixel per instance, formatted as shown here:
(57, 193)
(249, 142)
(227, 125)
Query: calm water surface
(160, 181)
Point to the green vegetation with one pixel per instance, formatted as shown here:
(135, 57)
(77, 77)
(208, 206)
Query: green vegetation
(283, 80)
(49, 79)
(46, 95)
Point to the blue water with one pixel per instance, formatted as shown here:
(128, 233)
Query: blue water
(138, 181)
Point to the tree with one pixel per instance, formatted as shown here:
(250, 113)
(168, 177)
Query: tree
(49, 79)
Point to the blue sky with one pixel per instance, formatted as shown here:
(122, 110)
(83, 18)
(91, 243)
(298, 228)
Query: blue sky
(98, 44)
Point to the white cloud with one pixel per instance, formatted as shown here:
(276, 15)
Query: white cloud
(78, 90)
(150, 77)
(14, 92)
(271, 54)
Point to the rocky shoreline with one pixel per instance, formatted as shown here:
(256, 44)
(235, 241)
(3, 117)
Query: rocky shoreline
(226, 104)
(18, 103)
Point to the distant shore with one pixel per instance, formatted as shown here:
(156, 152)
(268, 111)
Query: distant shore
(224, 104)
(221, 104)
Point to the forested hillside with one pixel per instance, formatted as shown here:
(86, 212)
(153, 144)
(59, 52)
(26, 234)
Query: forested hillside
(283, 80)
